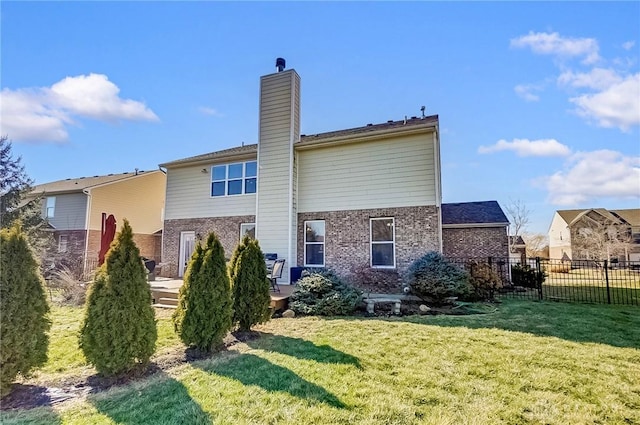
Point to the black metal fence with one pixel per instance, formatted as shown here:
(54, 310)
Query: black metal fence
(569, 281)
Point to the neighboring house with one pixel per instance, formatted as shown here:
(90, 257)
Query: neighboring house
(595, 234)
(364, 202)
(518, 249)
(474, 230)
(74, 207)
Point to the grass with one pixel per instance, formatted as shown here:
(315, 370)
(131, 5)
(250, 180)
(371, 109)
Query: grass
(589, 286)
(527, 363)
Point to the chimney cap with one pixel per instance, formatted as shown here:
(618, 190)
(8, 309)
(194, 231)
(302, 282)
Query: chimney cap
(280, 64)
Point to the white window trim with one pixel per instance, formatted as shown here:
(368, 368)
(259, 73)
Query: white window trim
(226, 180)
(246, 224)
(305, 243)
(66, 243)
(372, 242)
(51, 207)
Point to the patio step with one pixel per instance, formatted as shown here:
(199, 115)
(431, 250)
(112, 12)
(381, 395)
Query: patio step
(167, 301)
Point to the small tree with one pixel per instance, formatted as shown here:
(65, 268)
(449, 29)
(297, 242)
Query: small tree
(24, 310)
(434, 278)
(17, 203)
(119, 331)
(204, 312)
(251, 287)
(519, 214)
(236, 255)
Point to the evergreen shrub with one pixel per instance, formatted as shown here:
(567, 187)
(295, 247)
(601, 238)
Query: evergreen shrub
(484, 280)
(527, 277)
(203, 316)
(324, 294)
(24, 320)
(433, 278)
(119, 331)
(251, 287)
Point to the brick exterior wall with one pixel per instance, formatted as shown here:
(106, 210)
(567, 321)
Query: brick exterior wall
(149, 245)
(475, 242)
(74, 255)
(226, 228)
(347, 246)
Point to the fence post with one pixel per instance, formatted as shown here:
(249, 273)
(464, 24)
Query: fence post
(539, 273)
(606, 279)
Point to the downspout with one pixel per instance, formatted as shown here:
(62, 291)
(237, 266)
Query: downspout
(87, 229)
(438, 188)
(164, 211)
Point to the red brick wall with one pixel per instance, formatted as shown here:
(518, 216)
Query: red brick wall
(475, 242)
(347, 246)
(226, 228)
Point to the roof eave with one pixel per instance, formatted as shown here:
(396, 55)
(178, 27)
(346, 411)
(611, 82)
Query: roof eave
(368, 136)
(479, 225)
(211, 160)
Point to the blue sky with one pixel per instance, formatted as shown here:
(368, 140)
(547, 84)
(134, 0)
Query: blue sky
(538, 102)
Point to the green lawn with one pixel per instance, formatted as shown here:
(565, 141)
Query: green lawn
(527, 363)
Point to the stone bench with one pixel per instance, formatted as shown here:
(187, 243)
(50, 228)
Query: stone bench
(371, 302)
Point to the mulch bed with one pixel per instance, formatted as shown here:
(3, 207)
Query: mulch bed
(25, 396)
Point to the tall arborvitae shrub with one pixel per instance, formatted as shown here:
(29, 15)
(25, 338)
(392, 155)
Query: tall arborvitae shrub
(24, 310)
(235, 256)
(204, 312)
(119, 329)
(251, 297)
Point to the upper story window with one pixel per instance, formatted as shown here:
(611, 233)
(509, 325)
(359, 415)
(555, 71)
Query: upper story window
(51, 206)
(234, 179)
(383, 245)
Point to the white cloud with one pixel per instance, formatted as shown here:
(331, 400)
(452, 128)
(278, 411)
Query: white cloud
(525, 147)
(628, 45)
(597, 78)
(553, 44)
(593, 175)
(526, 91)
(42, 114)
(616, 106)
(205, 110)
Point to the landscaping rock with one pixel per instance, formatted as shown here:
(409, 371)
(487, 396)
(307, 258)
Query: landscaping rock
(288, 314)
(423, 308)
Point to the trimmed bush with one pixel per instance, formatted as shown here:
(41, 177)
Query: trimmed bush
(251, 287)
(24, 321)
(203, 316)
(324, 294)
(527, 277)
(433, 278)
(484, 280)
(119, 329)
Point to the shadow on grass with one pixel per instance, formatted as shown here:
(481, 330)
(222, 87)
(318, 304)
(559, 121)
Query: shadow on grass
(617, 326)
(250, 369)
(30, 404)
(162, 399)
(302, 349)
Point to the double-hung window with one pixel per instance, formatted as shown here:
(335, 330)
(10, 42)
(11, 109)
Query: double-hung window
(234, 179)
(383, 244)
(247, 229)
(63, 243)
(314, 243)
(51, 206)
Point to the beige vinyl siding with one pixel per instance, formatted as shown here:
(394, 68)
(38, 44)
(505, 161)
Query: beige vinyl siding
(139, 199)
(559, 238)
(397, 172)
(279, 128)
(70, 211)
(189, 195)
